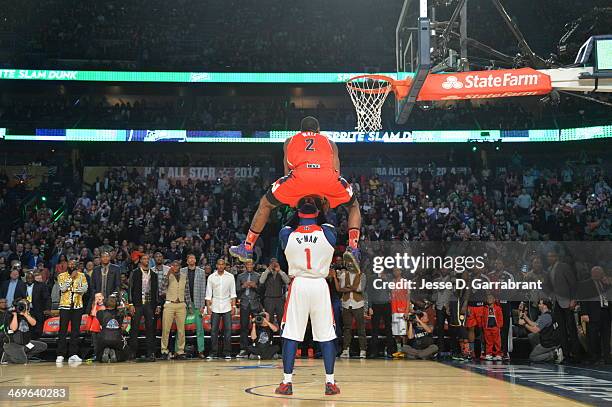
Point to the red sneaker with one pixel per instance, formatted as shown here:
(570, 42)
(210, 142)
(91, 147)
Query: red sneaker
(285, 389)
(331, 389)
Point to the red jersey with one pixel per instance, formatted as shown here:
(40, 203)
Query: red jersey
(399, 298)
(310, 150)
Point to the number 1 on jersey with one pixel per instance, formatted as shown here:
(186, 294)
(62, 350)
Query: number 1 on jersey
(308, 259)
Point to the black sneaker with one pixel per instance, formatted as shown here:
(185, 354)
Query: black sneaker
(180, 356)
(242, 354)
(113, 356)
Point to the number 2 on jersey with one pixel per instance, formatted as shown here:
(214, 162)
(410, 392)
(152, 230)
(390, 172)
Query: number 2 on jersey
(308, 259)
(309, 144)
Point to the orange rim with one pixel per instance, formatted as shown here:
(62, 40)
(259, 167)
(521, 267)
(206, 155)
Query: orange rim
(383, 89)
(398, 86)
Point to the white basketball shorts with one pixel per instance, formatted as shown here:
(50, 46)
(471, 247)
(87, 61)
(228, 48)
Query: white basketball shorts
(399, 327)
(308, 297)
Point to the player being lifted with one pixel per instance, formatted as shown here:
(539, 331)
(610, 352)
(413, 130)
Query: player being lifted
(309, 248)
(312, 167)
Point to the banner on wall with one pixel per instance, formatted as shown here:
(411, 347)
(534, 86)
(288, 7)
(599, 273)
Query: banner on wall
(29, 175)
(177, 173)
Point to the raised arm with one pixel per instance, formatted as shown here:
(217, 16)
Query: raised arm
(336, 156)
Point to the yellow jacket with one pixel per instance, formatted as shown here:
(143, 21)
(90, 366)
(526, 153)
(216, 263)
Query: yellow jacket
(71, 291)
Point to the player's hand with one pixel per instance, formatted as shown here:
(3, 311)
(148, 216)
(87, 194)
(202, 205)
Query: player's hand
(157, 310)
(584, 318)
(370, 311)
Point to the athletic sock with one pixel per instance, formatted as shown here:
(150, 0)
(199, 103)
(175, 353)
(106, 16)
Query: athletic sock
(288, 378)
(328, 349)
(289, 351)
(329, 378)
(251, 238)
(353, 239)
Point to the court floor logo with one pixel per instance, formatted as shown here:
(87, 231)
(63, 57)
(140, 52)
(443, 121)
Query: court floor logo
(452, 82)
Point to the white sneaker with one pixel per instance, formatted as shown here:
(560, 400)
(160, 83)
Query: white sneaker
(362, 354)
(498, 358)
(74, 358)
(489, 357)
(559, 355)
(59, 359)
(345, 354)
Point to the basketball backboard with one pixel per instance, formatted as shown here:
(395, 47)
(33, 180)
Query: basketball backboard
(413, 54)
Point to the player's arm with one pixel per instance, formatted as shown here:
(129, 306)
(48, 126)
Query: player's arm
(330, 233)
(283, 236)
(285, 163)
(336, 156)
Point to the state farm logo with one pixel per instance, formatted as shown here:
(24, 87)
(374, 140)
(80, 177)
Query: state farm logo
(452, 82)
(491, 80)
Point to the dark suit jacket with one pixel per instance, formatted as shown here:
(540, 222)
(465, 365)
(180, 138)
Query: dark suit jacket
(41, 300)
(20, 290)
(113, 280)
(562, 283)
(135, 291)
(591, 304)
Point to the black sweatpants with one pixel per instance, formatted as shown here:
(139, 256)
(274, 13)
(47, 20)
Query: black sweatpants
(382, 312)
(148, 311)
(72, 316)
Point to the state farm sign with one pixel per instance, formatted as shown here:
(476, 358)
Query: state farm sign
(485, 84)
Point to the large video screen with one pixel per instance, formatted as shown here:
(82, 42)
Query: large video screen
(237, 136)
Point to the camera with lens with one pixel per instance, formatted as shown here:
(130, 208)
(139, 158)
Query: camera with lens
(413, 316)
(259, 318)
(20, 306)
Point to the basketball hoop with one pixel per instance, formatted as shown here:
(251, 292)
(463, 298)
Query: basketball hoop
(368, 93)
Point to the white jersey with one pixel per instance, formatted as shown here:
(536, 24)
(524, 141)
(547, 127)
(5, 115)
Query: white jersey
(308, 252)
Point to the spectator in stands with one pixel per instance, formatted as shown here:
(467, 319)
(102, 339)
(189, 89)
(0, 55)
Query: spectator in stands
(196, 284)
(14, 287)
(351, 285)
(18, 255)
(175, 292)
(72, 285)
(4, 271)
(250, 302)
(106, 277)
(221, 301)
(144, 302)
(543, 335)
(39, 297)
(274, 283)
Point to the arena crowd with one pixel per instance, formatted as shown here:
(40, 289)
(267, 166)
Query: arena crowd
(130, 244)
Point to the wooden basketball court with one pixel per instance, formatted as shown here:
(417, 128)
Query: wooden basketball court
(251, 383)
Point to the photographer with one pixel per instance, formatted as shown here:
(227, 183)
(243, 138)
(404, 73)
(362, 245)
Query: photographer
(543, 334)
(262, 336)
(112, 346)
(19, 345)
(420, 340)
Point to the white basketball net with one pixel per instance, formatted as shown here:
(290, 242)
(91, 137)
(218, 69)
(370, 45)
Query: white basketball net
(368, 96)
